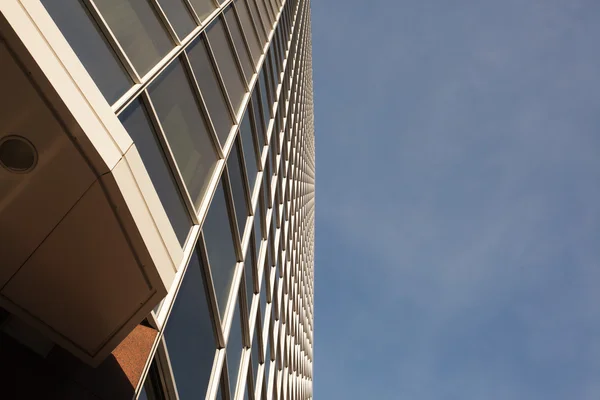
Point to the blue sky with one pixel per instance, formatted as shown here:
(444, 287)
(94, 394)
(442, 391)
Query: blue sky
(458, 199)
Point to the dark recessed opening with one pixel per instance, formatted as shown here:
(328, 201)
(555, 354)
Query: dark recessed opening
(17, 154)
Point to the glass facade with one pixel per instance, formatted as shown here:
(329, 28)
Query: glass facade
(217, 97)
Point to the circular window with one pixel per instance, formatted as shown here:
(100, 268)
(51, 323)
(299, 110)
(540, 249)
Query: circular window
(17, 154)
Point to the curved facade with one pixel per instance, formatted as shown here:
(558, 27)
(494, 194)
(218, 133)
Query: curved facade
(173, 147)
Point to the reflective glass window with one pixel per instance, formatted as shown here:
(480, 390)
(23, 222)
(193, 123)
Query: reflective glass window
(179, 17)
(249, 272)
(255, 352)
(238, 190)
(258, 120)
(234, 349)
(139, 31)
(266, 102)
(221, 48)
(246, 21)
(88, 42)
(249, 146)
(211, 89)
(260, 26)
(203, 8)
(265, 16)
(240, 46)
(263, 297)
(185, 128)
(135, 120)
(189, 335)
(220, 248)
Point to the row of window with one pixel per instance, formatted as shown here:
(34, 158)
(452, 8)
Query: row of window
(120, 42)
(189, 336)
(179, 113)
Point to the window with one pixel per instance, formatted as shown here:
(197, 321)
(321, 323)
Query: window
(219, 247)
(211, 89)
(247, 137)
(189, 335)
(179, 17)
(139, 31)
(203, 8)
(135, 120)
(88, 42)
(246, 21)
(185, 128)
(240, 46)
(238, 188)
(234, 349)
(227, 63)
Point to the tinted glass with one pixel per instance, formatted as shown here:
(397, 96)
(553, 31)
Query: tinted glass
(238, 41)
(258, 120)
(263, 297)
(93, 51)
(266, 191)
(245, 20)
(211, 90)
(234, 350)
(260, 27)
(267, 361)
(266, 103)
(140, 33)
(249, 272)
(178, 16)
(184, 128)
(248, 143)
(255, 356)
(221, 48)
(220, 248)
(275, 72)
(237, 188)
(203, 7)
(135, 120)
(266, 14)
(189, 335)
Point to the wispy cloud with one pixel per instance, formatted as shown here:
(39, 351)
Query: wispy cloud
(458, 200)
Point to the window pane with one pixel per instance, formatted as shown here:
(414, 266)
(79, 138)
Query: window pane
(139, 31)
(189, 335)
(135, 120)
(234, 350)
(219, 43)
(249, 272)
(255, 353)
(93, 51)
(178, 16)
(266, 14)
(246, 20)
(238, 188)
(258, 20)
(266, 103)
(220, 248)
(185, 128)
(263, 295)
(238, 40)
(211, 90)
(258, 120)
(275, 72)
(248, 144)
(203, 8)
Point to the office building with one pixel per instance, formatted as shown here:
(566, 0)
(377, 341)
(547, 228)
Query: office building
(157, 171)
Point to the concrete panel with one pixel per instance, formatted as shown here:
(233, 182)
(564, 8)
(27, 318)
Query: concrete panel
(33, 203)
(86, 278)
